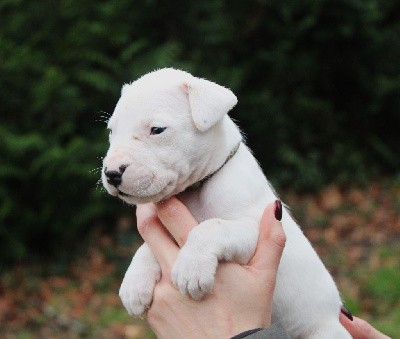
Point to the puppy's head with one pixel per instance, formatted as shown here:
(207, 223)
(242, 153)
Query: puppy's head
(162, 135)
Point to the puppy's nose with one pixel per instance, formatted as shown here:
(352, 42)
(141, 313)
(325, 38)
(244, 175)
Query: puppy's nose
(115, 177)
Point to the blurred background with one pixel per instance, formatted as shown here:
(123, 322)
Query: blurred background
(318, 84)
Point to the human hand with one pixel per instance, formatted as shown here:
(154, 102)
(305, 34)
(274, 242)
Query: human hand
(242, 295)
(358, 328)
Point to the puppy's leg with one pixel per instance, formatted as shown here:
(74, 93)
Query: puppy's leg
(136, 291)
(212, 240)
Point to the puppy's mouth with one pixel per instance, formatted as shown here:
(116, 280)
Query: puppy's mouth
(122, 194)
(126, 195)
(135, 199)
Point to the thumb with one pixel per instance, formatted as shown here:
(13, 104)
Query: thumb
(271, 240)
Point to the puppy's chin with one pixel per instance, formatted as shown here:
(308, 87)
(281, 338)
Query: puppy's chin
(132, 200)
(154, 197)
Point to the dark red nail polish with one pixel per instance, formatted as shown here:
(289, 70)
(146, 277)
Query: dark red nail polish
(346, 312)
(278, 210)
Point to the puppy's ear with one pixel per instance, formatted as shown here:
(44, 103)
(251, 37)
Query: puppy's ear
(208, 102)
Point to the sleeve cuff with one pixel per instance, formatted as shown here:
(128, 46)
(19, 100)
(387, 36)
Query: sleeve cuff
(246, 333)
(275, 331)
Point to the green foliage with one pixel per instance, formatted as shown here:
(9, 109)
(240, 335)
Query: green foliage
(382, 286)
(384, 283)
(318, 86)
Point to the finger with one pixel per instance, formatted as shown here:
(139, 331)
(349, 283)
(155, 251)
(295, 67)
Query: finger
(176, 218)
(271, 241)
(359, 328)
(156, 236)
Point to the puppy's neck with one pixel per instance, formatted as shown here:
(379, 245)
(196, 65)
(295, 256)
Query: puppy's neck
(202, 181)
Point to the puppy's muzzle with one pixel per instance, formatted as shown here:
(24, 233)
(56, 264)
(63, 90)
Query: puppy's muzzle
(115, 177)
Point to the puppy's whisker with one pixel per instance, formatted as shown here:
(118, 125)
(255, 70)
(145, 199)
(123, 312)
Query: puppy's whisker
(104, 117)
(99, 187)
(96, 170)
(104, 113)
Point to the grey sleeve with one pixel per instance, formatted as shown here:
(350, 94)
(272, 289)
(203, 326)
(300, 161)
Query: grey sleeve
(275, 331)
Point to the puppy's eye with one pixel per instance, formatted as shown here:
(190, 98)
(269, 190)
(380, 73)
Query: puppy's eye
(157, 130)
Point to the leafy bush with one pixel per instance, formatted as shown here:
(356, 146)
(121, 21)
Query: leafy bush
(318, 86)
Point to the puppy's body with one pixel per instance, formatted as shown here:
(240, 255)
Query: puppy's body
(228, 205)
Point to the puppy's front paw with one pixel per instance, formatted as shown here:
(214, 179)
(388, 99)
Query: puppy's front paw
(136, 292)
(194, 273)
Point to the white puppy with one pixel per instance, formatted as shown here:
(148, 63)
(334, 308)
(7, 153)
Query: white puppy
(170, 135)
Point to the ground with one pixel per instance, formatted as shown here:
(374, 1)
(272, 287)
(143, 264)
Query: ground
(356, 231)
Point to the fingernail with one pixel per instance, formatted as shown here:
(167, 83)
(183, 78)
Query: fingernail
(346, 312)
(278, 210)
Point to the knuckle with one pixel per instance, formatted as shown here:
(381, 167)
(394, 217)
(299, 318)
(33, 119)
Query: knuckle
(161, 298)
(170, 209)
(144, 223)
(161, 294)
(279, 238)
(151, 317)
